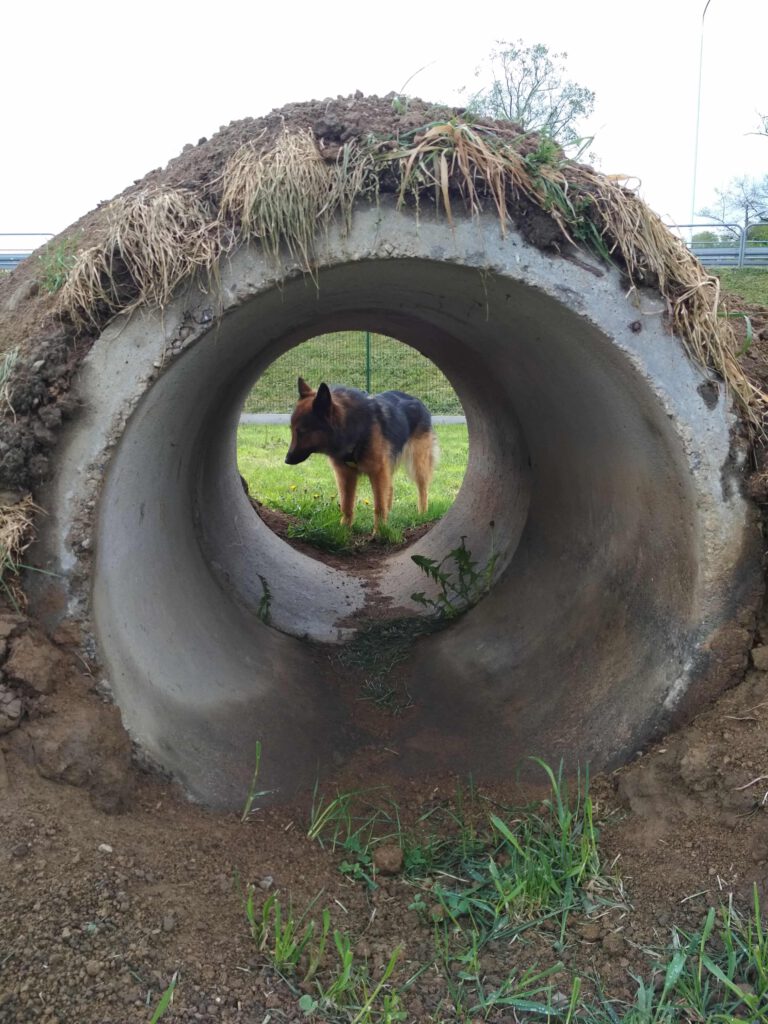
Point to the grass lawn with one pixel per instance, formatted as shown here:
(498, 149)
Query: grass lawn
(751, 283)
(308, 491)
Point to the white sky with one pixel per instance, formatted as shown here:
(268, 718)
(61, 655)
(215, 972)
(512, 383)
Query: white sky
(97, 94)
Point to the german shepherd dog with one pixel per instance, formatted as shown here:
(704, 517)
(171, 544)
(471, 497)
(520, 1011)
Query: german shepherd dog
(362, 433)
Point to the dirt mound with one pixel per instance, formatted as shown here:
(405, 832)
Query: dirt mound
(50, 350)
(50, 347)
(112, 882)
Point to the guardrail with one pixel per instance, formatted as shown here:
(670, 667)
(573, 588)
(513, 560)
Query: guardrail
(741, 253)
(11, 260)
(11, 257)
(731, 256)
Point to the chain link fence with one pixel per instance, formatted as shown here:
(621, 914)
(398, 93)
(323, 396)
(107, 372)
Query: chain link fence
(358, 359)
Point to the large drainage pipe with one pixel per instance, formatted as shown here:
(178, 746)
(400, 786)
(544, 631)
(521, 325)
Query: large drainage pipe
(602, 455)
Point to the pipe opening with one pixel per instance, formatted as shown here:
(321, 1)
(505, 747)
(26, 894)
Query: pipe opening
(612, 527)
(323, 599)
(301, 503)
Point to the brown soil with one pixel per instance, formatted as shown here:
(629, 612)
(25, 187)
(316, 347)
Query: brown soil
(113, 882)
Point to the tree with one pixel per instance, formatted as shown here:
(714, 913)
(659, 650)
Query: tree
(743, 201)
(706, 238)
(528, 85)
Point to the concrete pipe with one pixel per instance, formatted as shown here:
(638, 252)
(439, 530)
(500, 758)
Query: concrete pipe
(629, 558)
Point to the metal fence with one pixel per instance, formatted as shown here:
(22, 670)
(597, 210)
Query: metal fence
(736, 251)
(359, 359)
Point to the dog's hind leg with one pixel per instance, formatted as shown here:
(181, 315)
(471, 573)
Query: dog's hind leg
(346, 482)
(420, 465)
(381, 485)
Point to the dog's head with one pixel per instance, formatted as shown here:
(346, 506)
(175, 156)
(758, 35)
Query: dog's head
(311, 423)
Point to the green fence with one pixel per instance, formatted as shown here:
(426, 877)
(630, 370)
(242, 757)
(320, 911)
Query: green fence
(358, 359)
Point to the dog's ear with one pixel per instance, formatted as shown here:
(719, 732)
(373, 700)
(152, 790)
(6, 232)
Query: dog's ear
(304, 389)
(323, 402)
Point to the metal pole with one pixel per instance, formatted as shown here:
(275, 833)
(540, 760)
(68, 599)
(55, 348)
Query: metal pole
(698, 114)
(743, 242)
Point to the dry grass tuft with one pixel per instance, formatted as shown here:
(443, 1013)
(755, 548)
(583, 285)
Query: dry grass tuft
(16, 534)
(155, 240)
(285, 193)
(652, 254)
(452, 155)
(589, 209)
(7, 369)
(279, 195)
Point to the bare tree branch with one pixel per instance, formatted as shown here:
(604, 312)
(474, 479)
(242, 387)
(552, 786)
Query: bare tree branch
(743, 201)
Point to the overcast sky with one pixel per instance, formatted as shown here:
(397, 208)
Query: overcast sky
(97, 94)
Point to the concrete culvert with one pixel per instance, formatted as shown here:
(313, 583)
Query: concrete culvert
(603, 456)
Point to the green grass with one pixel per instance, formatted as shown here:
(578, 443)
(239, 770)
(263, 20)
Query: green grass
(56, 261)
(485, 880)
(488, 872)
(299, 949)
(479, 880)
(166, 1000)
(341, 358)
(751, 283)
(307, 492)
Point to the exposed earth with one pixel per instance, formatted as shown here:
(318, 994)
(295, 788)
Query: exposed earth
(111, 882)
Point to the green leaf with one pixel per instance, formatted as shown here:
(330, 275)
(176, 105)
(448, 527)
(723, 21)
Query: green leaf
(307, 1004)
(165, 1000)
(674, 970)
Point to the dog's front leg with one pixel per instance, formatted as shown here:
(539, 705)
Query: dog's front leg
(346, 482)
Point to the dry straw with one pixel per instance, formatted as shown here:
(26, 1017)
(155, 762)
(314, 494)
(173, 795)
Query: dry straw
(155, 240)
(651, 253)
(283, 193)
(16, 534)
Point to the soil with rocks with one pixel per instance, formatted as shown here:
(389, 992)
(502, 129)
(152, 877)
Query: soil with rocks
(111, 882)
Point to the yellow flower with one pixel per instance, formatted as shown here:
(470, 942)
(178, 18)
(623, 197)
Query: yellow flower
(366, 502)
(293, 487)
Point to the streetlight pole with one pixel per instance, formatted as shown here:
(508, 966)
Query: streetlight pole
(698, 114)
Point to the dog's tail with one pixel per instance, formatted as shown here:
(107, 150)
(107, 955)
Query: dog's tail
(420, 456)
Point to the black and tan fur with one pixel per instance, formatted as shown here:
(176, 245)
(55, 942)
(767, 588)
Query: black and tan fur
(363, 433)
